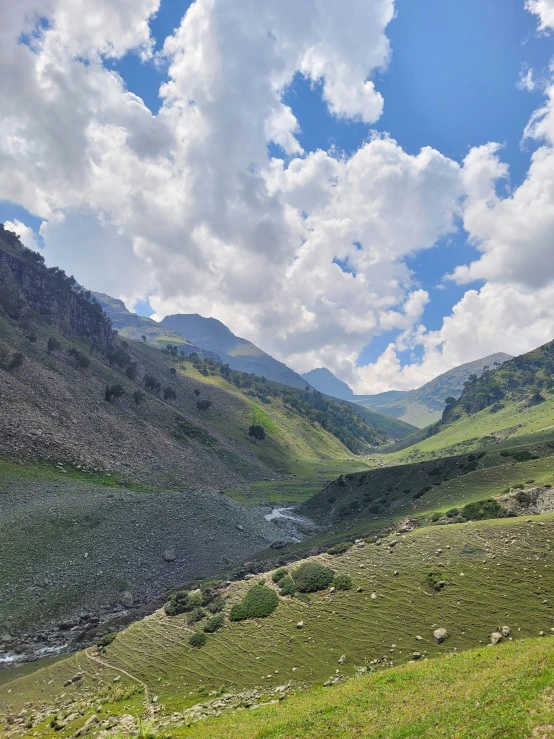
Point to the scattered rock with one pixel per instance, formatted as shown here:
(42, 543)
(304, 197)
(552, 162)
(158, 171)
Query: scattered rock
(505, 631)
(127, 599)
(440, 635)
(417, 655)
(300, 624)
(342, 659)
(496, 636)
(169, 555)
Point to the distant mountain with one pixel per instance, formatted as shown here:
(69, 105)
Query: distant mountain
(425, 405)
(132, 326)
(239, 354)
(326, 382)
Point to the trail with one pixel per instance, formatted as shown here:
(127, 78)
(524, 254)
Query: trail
(97, 659)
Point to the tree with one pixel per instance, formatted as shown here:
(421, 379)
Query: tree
(131, 371)
(16, 361)
(53, 345)
(143, 337)
(204, 405)
(114, 391)
(173, 371)
(152, 383)
(169, 393)
(257, 431)
(139, 397)
(450, 400)
(196, 392)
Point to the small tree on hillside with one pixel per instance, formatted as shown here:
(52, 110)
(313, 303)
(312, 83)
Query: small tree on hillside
(197, 392)
(169, 393)
(257, 431)
(204, 405)
(450, 400)
(114, 391)
(143, 337)
(53, 345)
(152, 383)
(139, 397)
(173, 371)
(16, 361)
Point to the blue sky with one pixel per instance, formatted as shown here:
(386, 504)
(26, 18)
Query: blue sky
(451, 84)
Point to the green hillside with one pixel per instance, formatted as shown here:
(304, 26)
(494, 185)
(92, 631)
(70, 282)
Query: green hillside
(386, 619)
(425, 405)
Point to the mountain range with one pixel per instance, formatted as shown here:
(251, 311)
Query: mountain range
(420, 407)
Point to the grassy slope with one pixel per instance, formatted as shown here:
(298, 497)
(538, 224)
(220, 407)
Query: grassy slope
(509, 560)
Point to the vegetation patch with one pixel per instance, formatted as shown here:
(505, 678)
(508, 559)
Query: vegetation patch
(311, 577)
(483, 509)
(343, 582)
(340, 548)
(198, 639)
(259, 602)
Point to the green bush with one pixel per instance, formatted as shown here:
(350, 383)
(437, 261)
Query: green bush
(343, 582)
(259, 602)
(16, 361)
(217, 604)
(106, 639)
(311, 577)
(452, 512)
(287, 586)
(198, 639)
(340, 548)
(197, 614)
(279, 574)
(182, 601)
(214, 623)
(483, 509)
(435, 516)
(53, 345)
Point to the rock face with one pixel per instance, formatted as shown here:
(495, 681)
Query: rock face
(440, 635)
(26, 284)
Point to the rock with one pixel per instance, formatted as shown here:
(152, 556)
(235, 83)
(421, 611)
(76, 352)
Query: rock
(169, 555)
(89, 723)
(440, 635)
(77, 677)
(127, 599)
(342, 659)
(280, 544)
(505, 631)
(374, 596)
(300, 624)
(419, 638)
(496, 636)
(416, 655)
(240, 527)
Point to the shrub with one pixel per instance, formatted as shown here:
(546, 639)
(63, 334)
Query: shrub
(16, 361)
(435, 516)
(217, 604)
(196, 392)
(343, 582)
(452, 512)
(198, 639)
(311, 577)
(197, 614)
(53, 345)
(287, 586)
(257, 431)
(204, 405)
(435, 581)
(279, 574)
(131, 371)
(33, 338)
(103, 642)
(172, 371)
(114, 391)
(82, 359)
(259, 602)
(139, 397)
(340, 548)
(483, 509)
(152, 383)
(182, 601)
(169, 393)
(214, 623)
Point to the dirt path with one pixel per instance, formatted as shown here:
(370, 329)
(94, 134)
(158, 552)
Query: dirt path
(97, 659)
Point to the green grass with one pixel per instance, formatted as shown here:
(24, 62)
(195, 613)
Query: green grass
(502, 692)
(500, 572)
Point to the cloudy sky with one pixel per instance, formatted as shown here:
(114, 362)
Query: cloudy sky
(366, 185)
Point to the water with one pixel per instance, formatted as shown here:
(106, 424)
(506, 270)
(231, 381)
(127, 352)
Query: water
(295, 527)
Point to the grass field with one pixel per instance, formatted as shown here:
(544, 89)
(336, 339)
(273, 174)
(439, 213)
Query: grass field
(499, 573)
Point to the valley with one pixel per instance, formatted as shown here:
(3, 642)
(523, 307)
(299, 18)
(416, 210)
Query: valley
(182, 541)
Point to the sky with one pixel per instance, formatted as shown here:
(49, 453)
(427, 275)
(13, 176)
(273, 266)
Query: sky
(365, 185)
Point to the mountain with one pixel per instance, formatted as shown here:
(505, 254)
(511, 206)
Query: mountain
(238, 353)
(326, 382)
(424, 406)
(132, 326)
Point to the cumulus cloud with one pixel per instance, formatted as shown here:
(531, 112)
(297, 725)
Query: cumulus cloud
(304, 254)
(26, 234)
(545, 10)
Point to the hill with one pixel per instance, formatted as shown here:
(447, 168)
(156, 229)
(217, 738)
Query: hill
(132, 326)
(424, 406)
(238, 353)
(326, 382)
(400, 589)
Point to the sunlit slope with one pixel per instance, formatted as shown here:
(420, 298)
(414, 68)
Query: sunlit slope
(498, 573)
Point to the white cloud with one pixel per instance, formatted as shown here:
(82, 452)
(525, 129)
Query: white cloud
(545, 10)
(305, 257)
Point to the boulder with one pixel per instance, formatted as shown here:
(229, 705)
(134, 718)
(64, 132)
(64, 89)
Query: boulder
(127, 599)
(505, 631)
(169, 555)
(440, 635)
(496, 636)
(300, 624)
